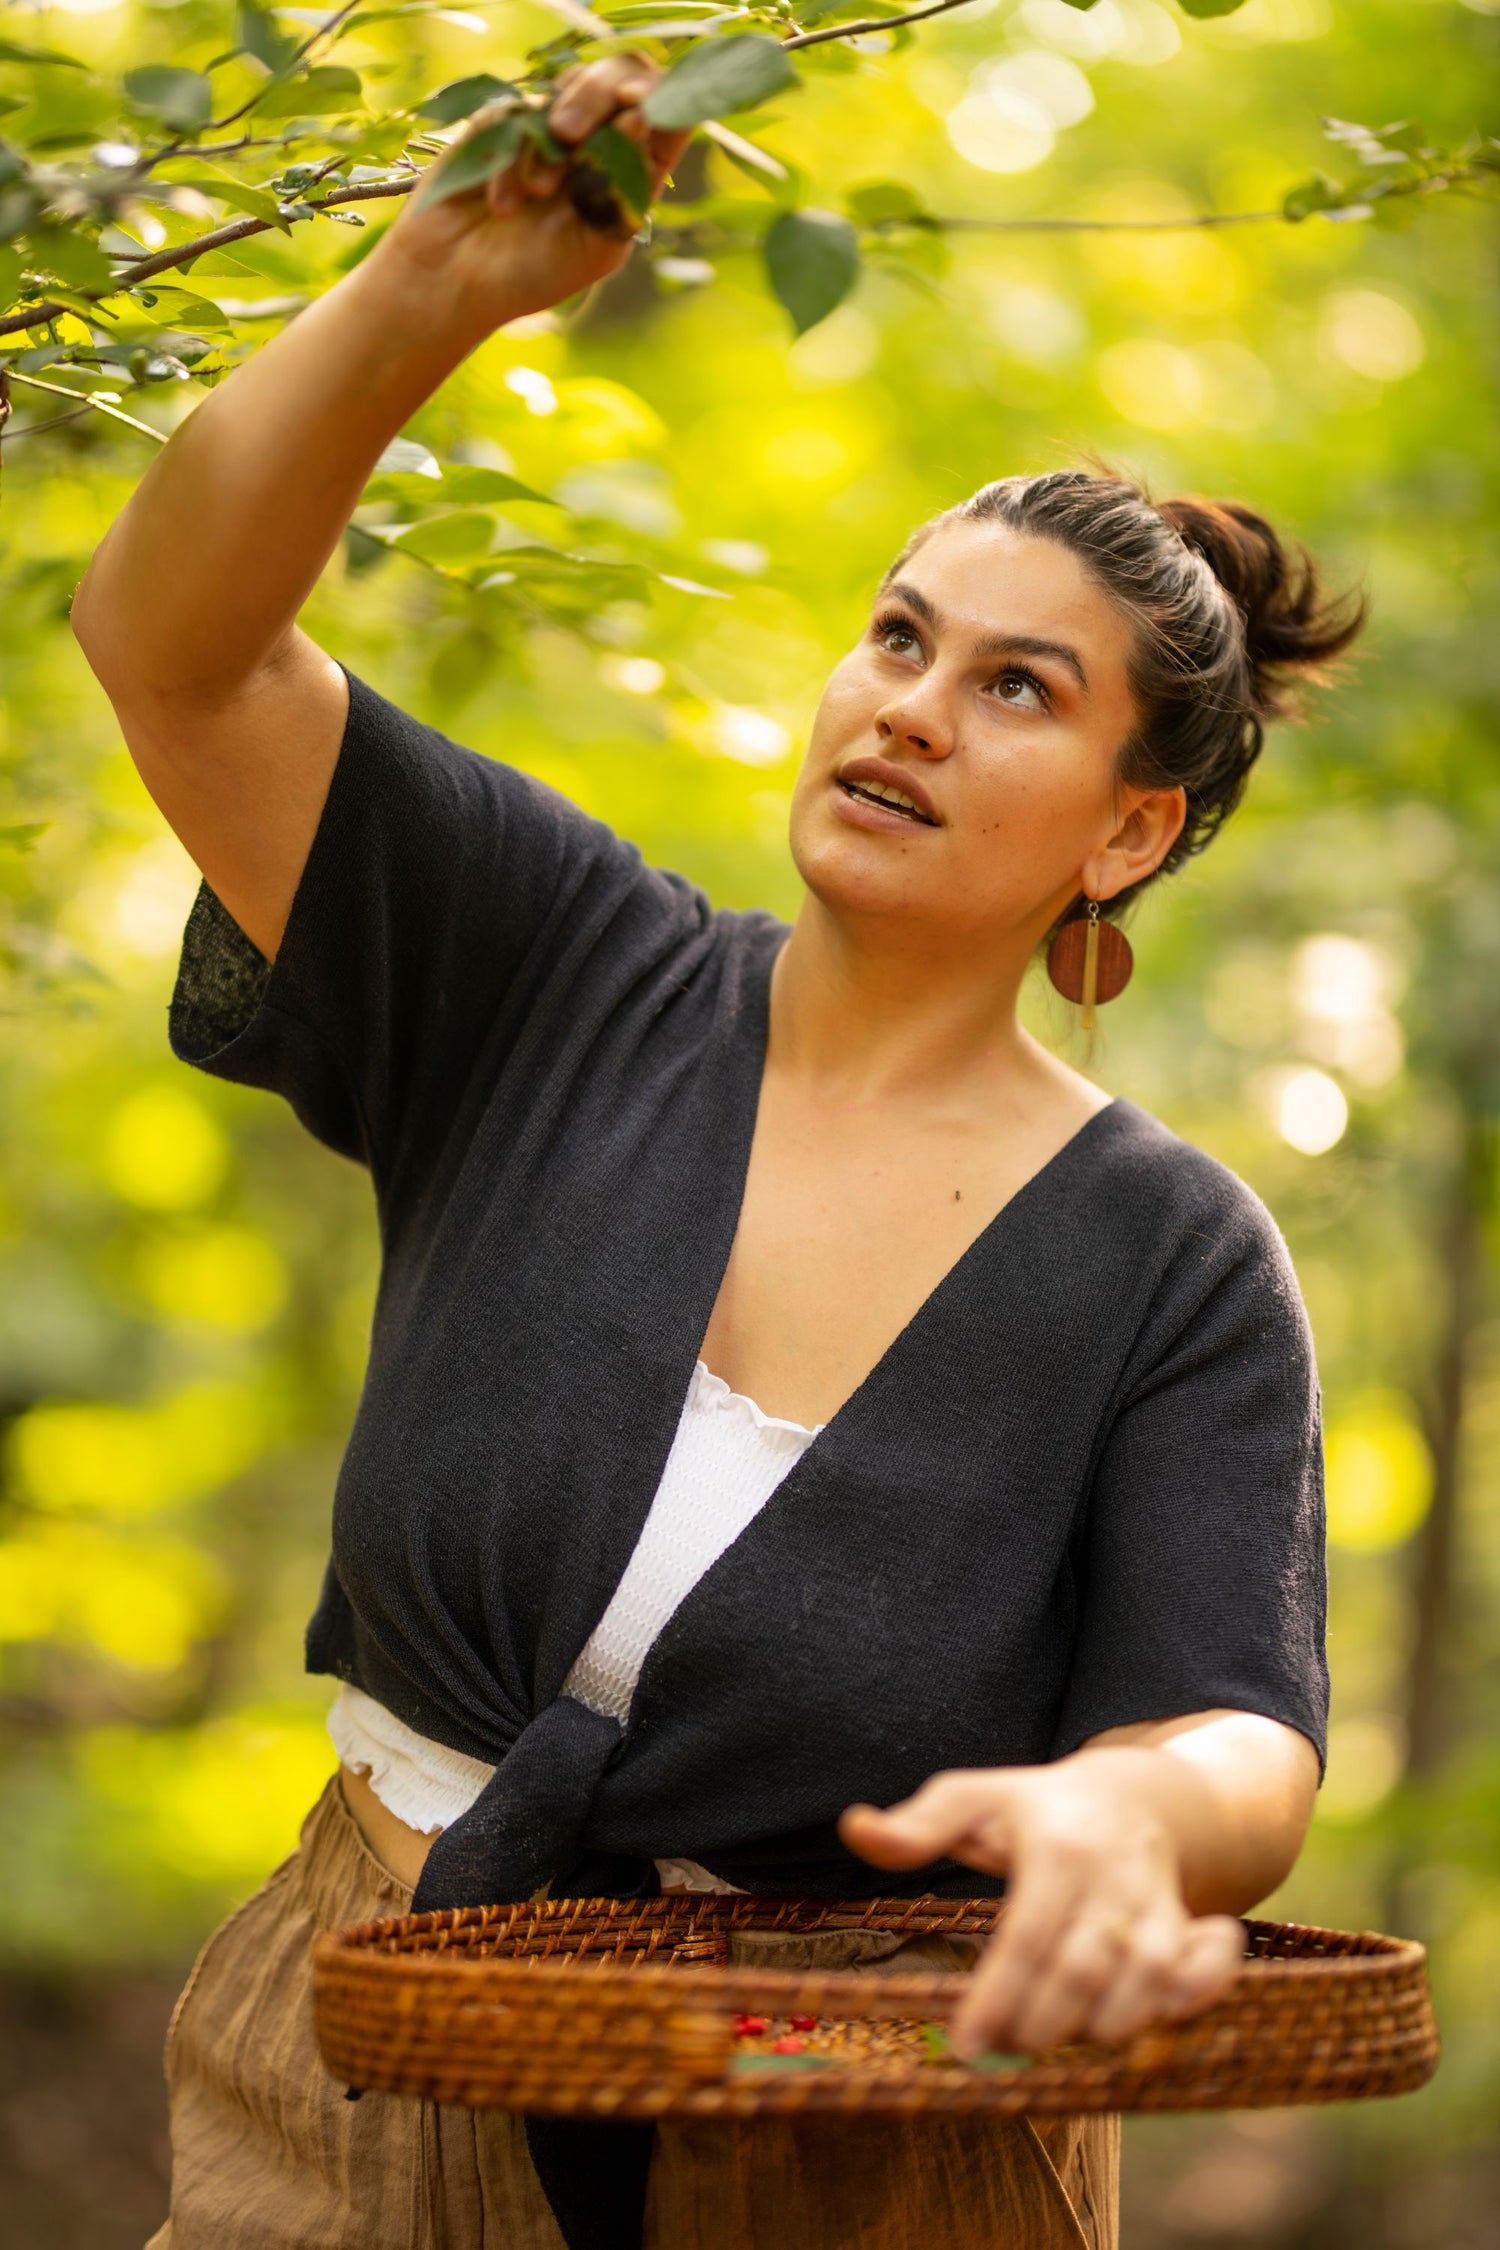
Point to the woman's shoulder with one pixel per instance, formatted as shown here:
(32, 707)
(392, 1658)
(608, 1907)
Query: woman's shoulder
(1158, 1185)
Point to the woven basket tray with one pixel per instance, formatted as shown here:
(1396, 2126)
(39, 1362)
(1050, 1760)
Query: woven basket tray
(608, 2008)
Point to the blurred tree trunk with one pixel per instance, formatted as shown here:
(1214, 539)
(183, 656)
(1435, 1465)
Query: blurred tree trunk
(1429, 1679)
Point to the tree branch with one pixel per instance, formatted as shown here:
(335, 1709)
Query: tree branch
(872, 23)
(240, 230)
(99, 405)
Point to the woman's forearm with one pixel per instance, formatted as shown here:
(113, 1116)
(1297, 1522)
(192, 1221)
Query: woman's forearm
(204, 572)
(1234, 1792)
(1123, 1863)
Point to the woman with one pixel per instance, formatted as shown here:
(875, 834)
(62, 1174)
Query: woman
(791, 1389)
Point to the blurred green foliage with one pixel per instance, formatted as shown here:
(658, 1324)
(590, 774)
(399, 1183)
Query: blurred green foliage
(185, 1280)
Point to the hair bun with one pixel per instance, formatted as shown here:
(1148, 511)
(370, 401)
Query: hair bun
(1293, 627)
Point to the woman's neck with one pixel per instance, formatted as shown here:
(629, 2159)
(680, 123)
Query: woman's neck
(880, 1009)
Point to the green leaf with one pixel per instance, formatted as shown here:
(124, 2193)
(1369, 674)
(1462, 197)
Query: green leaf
(259, 36)
(183, 98)
(812, 263)
(475, 160)
(619, 158)
(442, 539)
(75, 260)
(176, 306)
(405, 458)
(257, 202)
(1320, 193)
(1204, 8)
(22, 835)
(718, 78)
(323, 92)
(10, 275)
(474, 485)
(452, 103)
(876, 200)
(12, 51)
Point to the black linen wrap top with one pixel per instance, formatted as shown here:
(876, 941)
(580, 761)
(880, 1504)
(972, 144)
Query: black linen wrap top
(1081, 1488)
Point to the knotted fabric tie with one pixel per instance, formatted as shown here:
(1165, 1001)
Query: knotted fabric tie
(524, 1831)
(525, 1828)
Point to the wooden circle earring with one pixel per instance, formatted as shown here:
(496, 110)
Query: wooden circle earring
(1090, 962)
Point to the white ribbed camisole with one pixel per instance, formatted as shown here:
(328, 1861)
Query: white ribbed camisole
(727, 1459)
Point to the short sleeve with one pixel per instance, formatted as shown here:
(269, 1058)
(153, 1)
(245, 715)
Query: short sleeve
(439, 892)
(1201, 1579)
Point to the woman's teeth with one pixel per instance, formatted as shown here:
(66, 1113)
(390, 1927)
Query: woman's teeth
(894, 800)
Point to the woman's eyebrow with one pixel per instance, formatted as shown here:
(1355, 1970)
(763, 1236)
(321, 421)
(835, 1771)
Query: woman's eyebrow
(996, 644)
(1027, 644)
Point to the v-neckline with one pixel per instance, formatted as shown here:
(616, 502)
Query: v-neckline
(753, 1085)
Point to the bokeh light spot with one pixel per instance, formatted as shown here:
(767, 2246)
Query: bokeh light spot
(162, 1151)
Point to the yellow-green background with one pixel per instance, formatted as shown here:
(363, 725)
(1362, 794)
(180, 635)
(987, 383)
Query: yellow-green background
(185, 1279)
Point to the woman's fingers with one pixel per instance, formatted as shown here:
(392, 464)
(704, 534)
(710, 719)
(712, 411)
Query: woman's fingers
(1037, 1918)
(1212, 1958)
(962, 1815)
(590, 96)
(1131, 1972)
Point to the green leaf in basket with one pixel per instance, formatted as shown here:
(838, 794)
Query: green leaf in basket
(936, 2041)
(750, 2064)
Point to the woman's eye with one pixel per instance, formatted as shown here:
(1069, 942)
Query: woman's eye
(898, 637)
(1021, 691)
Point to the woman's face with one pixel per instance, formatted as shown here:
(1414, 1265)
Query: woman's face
(961, 772)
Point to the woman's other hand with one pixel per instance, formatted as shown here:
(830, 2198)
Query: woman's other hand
(516, 243)
(1125, 1863)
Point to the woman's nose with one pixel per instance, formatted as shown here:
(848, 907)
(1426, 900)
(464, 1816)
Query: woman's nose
(916, 722)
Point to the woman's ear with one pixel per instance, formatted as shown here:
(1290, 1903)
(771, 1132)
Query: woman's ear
(1139, 845)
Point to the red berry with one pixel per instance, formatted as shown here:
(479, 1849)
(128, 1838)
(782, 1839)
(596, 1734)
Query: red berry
(787, 2046)
(804, 2023)
(749, 2026)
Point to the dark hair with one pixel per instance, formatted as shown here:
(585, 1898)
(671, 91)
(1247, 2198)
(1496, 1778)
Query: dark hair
(1228, 617)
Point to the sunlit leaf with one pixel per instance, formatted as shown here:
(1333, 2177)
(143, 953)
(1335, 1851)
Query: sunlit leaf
(259, 35)
(475, 160)
(875, 200)
(472, 484)
(255, 202)
(450, 104)
(717, 79)
(1205, 8)
(404, 457)
(323, 92)
(184, 99)
(812, 263)
(12, 51)
(446, 538)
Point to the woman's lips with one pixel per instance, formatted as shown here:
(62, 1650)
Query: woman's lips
(852, 804)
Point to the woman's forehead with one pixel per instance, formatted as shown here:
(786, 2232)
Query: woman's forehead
(989, 580)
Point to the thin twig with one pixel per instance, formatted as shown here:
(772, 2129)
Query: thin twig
(872, 23)
(209, 148)
(35, 429)
(324, 31)
(99, 405)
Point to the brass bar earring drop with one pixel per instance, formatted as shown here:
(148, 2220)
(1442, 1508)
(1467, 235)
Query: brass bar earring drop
(1089, 1018)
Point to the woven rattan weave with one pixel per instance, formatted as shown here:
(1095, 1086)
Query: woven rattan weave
(607, 2008)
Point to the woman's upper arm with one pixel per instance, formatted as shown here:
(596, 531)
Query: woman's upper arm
(242, 779)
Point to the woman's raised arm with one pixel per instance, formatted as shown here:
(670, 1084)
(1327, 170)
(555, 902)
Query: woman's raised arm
(187, 612)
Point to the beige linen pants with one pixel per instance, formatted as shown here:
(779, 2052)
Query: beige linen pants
(268, 2155)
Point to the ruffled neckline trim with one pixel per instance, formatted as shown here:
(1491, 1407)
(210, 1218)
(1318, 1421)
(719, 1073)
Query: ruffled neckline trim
(711, 1390)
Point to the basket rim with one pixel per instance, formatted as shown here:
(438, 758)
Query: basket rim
(1373, 1956)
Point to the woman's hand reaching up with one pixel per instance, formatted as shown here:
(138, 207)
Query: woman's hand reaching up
(516, 243)
(1124, 1863)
